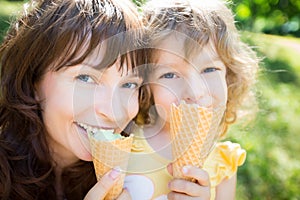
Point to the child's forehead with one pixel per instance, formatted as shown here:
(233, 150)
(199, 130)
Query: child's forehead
(169, 60)
(175, 50)
(170, 41)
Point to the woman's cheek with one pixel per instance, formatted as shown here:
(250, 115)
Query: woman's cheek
(133, 105)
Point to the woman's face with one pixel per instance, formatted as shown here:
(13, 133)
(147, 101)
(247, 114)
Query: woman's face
(82, 96)
(198, 80)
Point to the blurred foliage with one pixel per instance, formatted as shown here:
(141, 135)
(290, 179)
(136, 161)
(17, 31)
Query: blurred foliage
(7, 12)
(280, 17)
(139, 2)
(272, 167)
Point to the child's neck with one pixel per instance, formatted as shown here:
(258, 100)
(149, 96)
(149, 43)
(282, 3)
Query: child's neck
(158, 137)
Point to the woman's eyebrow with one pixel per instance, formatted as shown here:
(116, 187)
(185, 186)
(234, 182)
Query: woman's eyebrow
(132, 75)
(86, 64)
(167, 64)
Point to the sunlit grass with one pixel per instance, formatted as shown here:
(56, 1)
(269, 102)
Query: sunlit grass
(273, 165)
(10, 8)
(279, 48)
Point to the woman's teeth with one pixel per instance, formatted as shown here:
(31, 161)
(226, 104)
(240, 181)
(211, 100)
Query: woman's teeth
(94, 129)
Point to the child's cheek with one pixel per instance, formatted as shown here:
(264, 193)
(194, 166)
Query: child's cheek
(163, 98)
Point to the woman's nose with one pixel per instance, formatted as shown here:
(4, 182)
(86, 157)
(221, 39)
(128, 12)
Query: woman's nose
(107, 104)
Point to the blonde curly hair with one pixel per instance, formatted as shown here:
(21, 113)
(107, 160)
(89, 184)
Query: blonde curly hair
(204, 21)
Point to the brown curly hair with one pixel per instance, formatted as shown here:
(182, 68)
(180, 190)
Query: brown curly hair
(53, 33)
(203, 22)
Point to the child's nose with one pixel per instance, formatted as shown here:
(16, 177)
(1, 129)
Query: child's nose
(195, 90)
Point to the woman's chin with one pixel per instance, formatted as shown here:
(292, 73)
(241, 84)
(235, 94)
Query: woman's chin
(86, 157)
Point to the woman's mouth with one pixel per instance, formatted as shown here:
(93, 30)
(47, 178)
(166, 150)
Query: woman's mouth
(104, 134)
(94, 129)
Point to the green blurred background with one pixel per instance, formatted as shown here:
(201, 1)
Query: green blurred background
(272, 27)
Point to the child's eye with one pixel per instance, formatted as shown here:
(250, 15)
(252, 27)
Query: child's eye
(169, 75)
(130, 85)
(210, 69)
(85, 78)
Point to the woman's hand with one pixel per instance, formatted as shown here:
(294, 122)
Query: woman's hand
(102, 187)
(183, 189)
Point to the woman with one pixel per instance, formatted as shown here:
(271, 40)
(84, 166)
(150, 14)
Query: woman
(63, 65)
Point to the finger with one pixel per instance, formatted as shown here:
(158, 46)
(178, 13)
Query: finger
(170, 168)
(200, 175)
(124, 195)
(102, 187)
(179, 196)
(188, 188)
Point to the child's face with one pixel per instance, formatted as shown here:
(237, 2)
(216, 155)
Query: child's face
(102, 99)
(200, 79)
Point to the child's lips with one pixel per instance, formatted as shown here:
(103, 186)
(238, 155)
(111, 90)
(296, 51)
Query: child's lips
(208, 106)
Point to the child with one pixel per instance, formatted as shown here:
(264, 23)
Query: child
(197, 57)
(66, 66)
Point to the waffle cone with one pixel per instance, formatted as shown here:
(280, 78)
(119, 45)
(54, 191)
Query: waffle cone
(109, 154)
(194, 131)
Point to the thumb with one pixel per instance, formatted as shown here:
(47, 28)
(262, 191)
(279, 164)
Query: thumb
(103, 186)
(170, 168)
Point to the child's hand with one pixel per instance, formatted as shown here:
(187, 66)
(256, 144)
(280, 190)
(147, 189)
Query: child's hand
(183, 189)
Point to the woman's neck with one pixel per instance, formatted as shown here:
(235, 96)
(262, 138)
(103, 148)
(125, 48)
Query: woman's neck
(58, 183)
(60, 161)
(60, 155)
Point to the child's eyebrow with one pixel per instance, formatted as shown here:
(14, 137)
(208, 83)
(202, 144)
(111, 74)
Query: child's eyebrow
(208, 62)
(217, 61)
(165, 64)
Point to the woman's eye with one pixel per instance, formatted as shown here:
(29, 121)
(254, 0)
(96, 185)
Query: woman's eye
(130, 85)
(169, 75)
(210, 69)
(85, 78)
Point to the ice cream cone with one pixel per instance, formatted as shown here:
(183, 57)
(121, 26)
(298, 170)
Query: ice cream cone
(110, 154)
(194, 131)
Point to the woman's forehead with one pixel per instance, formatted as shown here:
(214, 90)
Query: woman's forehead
(96, 56)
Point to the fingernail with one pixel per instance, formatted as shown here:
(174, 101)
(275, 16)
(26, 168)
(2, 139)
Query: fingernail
(185, 169)
(115, 173)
